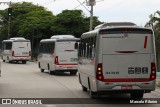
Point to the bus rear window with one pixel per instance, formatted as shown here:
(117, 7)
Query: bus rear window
(126, 30)
(65, 46)
(117, 41)
(8, 45)
(21, 44)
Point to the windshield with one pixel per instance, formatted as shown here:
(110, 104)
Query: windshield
(65, 46)
(21, 45)
(127, 41)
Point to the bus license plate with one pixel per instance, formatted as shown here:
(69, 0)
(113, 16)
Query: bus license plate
(126, 87)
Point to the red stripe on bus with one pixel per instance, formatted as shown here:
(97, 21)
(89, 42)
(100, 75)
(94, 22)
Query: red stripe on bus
(145, 41)
(21, 56)
(66, 64)
(127, 80)
(68, 50)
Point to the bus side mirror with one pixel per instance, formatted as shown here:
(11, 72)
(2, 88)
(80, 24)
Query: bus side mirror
(76, 45)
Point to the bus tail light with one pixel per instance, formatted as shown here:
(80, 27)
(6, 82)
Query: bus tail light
(12, 53)
(153, 71)
(30, 53)
(56, 60)
(99, 73)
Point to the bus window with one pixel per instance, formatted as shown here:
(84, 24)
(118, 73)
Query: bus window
(76, 45)
(52, 47)
(8, 45)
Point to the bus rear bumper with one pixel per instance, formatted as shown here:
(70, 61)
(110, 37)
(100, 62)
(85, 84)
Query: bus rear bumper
(124, 86)
(20, 58)
(66, 67)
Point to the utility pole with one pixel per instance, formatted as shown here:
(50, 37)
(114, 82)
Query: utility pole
(9, 21)
(91, 18)
(91, 3)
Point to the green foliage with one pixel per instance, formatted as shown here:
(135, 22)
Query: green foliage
(27, 17)
(72, 22)
(155, 20)
(68, 22)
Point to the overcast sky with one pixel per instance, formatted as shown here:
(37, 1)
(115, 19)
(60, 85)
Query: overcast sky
(136, 11)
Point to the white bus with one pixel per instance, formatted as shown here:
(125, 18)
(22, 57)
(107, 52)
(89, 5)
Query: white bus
(117, 59)
(16, 49)
(58, 54)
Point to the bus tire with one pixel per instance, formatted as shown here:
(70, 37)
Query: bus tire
(73, 72)
(92, 94)
(3, 60)
(137, 95)
(53, 72)
(24, 62)
(50, 72)
(39, 66)
(42, 70)
(84, 88)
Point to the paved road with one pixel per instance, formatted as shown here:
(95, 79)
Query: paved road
(26, 81)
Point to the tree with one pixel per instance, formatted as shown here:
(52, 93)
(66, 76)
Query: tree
(30, 21)
(155, 21)
(29, 17)
(72, 22)
(95, 22)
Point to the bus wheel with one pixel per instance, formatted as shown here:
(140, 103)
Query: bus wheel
(24, 62)
(137, 95)
(42, 70)
(73, 72)
(84, 88)
(53, 72)
(3, 60)
(92, 94)
(50, 72)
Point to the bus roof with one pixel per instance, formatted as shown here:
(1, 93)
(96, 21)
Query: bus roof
(16, 39)
(10, 40)
(68, 39)
(62, 36)
(58, 40)
(112, 24)
(47, 40)
(96, 31)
